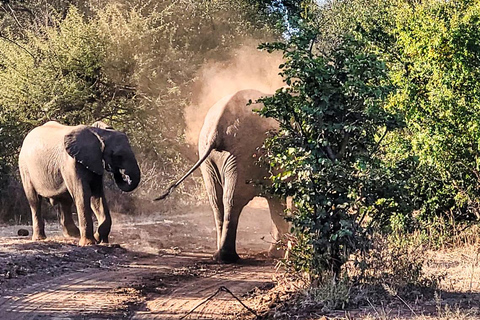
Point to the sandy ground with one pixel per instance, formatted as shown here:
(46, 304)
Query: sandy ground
(160, 267)
(155, 268)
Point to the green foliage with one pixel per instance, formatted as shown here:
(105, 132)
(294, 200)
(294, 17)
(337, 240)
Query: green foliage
(286, 14)
(436, 73)
(325, 157)
(130, 63)
(431, 52)
(58, 75)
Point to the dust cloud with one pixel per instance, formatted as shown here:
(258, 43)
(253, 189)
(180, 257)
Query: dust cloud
(247, 68)
(188, 229)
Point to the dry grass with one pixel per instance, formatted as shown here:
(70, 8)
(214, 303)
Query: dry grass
(442, 313)
(459, 265)
(446, 287)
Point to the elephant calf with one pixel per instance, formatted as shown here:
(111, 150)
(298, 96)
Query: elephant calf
(66, 165)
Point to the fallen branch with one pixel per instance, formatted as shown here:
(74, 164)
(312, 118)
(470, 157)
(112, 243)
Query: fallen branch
(220, 289)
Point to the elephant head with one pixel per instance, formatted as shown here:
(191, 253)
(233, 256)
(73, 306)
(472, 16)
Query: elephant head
(100, 147)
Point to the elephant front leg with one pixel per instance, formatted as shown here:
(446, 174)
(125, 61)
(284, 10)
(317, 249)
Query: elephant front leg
(66, 219)
(100, 208)
(85, 222)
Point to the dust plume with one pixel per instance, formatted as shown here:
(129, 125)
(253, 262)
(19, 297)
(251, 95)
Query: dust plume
(247, 68)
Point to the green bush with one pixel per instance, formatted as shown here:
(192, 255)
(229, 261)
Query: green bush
(438, 90)
(132, 64)
(431, 51)
(326, 156)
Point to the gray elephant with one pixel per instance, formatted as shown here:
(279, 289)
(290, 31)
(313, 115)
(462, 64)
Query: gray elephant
(228, 145)
(65, 164)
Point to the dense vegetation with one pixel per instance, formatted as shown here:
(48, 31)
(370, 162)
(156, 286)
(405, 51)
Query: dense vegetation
(132, 64)
(379, 126)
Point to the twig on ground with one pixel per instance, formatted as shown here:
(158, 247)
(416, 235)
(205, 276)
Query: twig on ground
(408, 306)
(220, 289)
(373, 307)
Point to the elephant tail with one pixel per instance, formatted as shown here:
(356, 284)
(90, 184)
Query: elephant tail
(195, 166)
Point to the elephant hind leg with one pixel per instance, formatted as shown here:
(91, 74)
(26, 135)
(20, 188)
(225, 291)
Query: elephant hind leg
(236, 196)
(280, 226)
(227, 251)
(215, 196)
(66, 219)
(35, 203)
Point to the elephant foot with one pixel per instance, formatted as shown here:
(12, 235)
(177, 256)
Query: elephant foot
(37, 236)
(101, 238)
(71, 232)
(226, 257)
(275, 252)
(86, 241)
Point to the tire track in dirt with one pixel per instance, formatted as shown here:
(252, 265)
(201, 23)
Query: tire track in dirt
(116, 293)
(67, 296)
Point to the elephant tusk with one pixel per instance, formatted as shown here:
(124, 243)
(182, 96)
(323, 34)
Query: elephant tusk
(125, 176)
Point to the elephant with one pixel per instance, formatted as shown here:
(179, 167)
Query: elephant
(65, 164)
(228, 146)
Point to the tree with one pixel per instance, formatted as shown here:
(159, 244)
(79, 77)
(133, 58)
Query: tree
(130, 63)
(333, 120)
(436, 73)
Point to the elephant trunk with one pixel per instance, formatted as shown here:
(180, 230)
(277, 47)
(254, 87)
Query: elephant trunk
(127, 179)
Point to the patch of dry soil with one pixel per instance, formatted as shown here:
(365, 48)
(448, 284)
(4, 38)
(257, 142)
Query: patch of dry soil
(156, 268)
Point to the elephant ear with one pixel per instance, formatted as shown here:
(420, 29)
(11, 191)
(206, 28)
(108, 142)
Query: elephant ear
(86, 147)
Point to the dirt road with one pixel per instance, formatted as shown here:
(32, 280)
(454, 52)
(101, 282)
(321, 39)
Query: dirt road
(157, 270)
(166, 287)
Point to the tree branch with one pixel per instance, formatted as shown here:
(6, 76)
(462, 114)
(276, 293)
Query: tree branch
(330, 153)
(344, 144)
(378, 143)
(15, 43)
(14, 16)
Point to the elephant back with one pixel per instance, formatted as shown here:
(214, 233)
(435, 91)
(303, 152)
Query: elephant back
(232, 120)
(45, 137)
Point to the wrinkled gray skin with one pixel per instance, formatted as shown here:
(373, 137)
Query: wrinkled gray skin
(65, 164)
(228, 146)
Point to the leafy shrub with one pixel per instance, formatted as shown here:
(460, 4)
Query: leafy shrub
(325, 157)
(430, 49)
(130, 63)
(436, 73)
